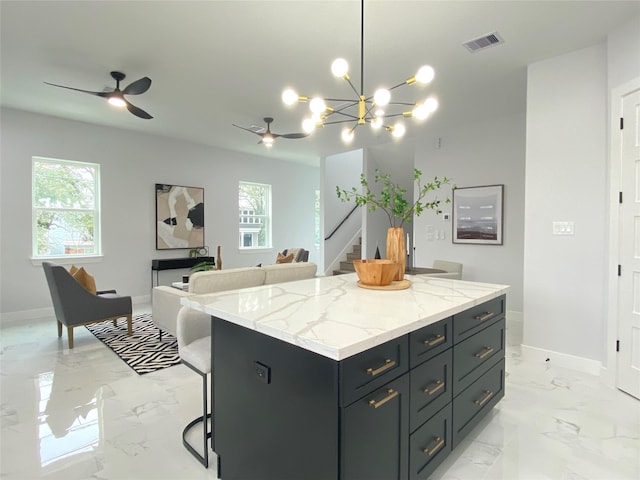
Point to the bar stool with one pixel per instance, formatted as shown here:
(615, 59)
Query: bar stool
(194, 348)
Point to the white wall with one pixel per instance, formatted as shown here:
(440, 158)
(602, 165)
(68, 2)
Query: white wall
(397, 161)
(566, 173)
(131, 164)
(341, 170)
(476, 154)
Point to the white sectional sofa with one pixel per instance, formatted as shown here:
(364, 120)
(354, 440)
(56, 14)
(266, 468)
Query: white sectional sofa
(166, 300)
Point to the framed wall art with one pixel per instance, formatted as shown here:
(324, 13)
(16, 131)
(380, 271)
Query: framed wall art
(477, 215)
(179, 217)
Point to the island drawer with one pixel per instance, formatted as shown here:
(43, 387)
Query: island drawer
(430, 341)
(371, 369)
(430, 445)
(476, 318)
(481, 396)
(476, 355)
(431, 388)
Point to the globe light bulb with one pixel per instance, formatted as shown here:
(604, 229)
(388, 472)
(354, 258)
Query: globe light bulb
(376, 122)
(289, 96)
(382, 97)
(267, 139)
(317, 105)
(339, 67)
(347, 135)
(425, 74)
(308, 125)
(420, 111)
(398, 130)
(379, 112)
(431, 104)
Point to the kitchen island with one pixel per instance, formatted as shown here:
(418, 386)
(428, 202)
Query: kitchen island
(321, 379)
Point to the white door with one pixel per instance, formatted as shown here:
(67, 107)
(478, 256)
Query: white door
(629, 280)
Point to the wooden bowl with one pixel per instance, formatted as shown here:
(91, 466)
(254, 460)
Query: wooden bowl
(376, 272)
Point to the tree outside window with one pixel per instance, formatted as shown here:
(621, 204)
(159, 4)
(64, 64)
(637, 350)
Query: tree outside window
(66, 208)
(254, 203)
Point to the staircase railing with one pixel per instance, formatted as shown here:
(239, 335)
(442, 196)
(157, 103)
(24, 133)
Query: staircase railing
(342, 222)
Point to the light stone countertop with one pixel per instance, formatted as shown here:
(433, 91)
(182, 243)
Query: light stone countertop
(336, 318)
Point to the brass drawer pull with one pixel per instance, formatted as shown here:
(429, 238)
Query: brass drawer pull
(481, 317)
(387, 365)
(439, 444)
(484, 353)
(438, 386)
(487, 395)
(437, 340)
(391, 393)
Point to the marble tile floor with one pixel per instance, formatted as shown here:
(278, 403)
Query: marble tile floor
(84, 414)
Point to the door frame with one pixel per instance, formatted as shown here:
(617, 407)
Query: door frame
(610, 373)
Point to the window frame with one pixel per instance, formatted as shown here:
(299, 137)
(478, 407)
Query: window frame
(95, 210)
(247, 218)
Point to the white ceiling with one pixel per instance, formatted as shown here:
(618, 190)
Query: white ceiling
(214, 63)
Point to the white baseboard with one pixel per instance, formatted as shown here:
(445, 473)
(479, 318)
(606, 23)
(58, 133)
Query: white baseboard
(586, 365)
(39, 313)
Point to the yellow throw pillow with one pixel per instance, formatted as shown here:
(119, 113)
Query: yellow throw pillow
(282, 259)
(83, 278)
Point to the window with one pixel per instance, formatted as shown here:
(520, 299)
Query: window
(254, 203)
(66, 208)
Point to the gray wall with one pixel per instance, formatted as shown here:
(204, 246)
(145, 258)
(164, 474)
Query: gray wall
(131, 164)
(487, 153)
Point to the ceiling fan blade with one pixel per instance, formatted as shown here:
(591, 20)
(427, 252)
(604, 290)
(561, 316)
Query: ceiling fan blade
(99, 94)
(138, 112)
(294, 135)
(247, 129)
(138, 87)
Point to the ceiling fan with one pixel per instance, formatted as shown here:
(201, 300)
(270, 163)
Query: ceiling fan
(116, 97)
(267, 136)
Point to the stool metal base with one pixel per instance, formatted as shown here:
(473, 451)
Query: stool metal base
(206, 434)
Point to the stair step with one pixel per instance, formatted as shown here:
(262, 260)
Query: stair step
(353, 256)
(341, 272)
(348, 266)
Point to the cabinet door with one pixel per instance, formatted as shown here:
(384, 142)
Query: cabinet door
(375, 434)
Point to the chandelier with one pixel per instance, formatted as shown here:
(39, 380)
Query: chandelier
(376, 110)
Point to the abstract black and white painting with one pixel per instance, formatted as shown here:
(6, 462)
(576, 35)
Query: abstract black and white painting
(179, 217)
(477, 215)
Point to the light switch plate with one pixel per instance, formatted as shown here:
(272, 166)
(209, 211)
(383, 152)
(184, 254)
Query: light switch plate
(563, 228)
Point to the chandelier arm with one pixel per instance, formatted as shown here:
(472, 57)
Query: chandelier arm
(361, 49)
(351, 85)
(335, 122)
(398, 85)
(348, 115)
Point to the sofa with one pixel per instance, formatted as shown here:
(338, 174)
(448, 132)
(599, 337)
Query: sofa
(165, 302)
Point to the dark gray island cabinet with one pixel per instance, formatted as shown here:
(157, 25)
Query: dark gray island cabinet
(285, 409)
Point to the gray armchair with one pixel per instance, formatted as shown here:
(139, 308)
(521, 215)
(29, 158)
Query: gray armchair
(299, 254)
(75, 306)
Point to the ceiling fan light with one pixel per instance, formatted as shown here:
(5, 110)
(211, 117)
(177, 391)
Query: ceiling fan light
(117, 101)
(425, 74)
(267, 139)
(317, 105)
(340, 67)
(289, 96)
(382, 97)
(347, 134)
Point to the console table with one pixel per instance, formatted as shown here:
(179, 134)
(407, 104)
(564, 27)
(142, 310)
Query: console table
(320, 379)
(158, 264)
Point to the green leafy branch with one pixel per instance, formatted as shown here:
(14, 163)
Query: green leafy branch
(391, 198)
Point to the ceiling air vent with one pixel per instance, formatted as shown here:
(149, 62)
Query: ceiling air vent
(483, 42)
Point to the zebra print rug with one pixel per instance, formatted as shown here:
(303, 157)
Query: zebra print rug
(142, 351)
